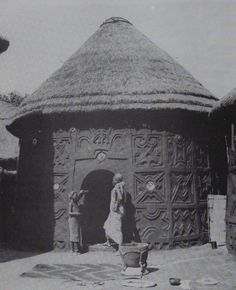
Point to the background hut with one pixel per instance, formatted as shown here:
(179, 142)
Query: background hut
(119, 104)
(9, 151)
(224, 120)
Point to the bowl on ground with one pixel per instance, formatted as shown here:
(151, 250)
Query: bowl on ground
(175, 281)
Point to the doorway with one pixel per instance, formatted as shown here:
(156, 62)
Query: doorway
(96, 205)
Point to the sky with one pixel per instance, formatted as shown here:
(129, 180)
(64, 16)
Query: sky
(43, 34)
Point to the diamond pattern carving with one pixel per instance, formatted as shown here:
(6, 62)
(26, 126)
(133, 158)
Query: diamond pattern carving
(182, 190)
(143, 193)
(61, 152)
(60, 206)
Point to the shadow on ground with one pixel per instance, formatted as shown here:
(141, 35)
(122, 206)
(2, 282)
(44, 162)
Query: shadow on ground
(7, 255)
(76, 272)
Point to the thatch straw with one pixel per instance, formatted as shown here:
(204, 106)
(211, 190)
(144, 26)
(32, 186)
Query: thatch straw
(9, 147)
(4, 43)
(118, 68)
(226, 102)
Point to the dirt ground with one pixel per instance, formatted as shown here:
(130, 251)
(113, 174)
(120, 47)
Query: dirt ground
(190, 264)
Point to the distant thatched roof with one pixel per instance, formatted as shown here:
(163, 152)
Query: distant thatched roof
(4, 43)
(226, 102)
(118, 68)
(8, 143)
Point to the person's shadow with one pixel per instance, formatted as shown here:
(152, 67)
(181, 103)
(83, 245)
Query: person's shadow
(129, 228)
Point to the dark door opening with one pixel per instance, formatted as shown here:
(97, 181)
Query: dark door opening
(96, 205)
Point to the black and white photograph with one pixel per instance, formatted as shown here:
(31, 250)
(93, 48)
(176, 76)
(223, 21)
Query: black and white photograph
(117, 144)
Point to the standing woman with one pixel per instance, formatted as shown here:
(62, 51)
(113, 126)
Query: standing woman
(75, 214)
(113, 224)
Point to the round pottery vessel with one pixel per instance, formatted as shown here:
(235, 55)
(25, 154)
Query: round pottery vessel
(175, 281)
(134, 255)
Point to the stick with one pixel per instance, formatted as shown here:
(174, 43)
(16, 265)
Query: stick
(227, 149)
(232, 137)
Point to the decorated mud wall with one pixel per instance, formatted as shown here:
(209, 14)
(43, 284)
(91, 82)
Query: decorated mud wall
(166, 172)
(224, 155)
(231, 185)
(231, 205)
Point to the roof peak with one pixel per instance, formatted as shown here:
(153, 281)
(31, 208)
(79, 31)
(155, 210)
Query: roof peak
(115, 20)
(118, 68)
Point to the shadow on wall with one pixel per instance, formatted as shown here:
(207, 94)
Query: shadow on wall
(96, 205)
(129, 223)
(7, 195)
(33, 227)
(97, 208)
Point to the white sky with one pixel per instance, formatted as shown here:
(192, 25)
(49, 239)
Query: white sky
(200, 35)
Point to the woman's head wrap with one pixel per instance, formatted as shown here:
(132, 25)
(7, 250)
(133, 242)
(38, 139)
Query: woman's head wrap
(117, 178)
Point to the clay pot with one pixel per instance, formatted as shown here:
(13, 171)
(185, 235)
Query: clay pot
(175, 281)
(134, 255)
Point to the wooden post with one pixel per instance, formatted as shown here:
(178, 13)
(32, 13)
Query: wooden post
(227, 149)
(232, 137)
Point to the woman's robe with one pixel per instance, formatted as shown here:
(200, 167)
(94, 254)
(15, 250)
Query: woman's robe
(113, 224)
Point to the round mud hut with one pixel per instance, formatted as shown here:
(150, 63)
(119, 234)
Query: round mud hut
(9, 150)
(119, 104)
(8, 155)
(224, 118)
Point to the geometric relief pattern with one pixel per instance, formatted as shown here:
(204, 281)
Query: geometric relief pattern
(61, 152)
(152, 223)
(233, 209)
(60, 208)
(95, 141)
(231, 192)
(152, 167)
(232, 183)
(203, 218)
(60, 191)
(180, 151)
(147, 150)
(231, 238)
(232, 158)
(203, 185)
(182, 190)
(202, 159)
(184, 222)
(149, 187)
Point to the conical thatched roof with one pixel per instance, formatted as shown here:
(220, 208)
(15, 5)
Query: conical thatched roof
(118, 68)
(4, 43)
(226, 102)
(8, 143)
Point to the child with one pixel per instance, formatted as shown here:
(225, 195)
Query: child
(74, 222)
